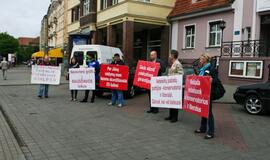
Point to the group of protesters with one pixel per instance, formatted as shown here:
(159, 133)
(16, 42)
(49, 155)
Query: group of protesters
(117, 98)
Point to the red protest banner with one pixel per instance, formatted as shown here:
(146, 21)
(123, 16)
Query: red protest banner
(197, 95)
(114, 77)
(144, 71)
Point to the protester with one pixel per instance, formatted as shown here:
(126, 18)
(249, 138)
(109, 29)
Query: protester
(162, 69)
(207, 125)
(92, 63)
(74, 64)
(44, 88)
(117, 95)
(176, 69)
(4, 65)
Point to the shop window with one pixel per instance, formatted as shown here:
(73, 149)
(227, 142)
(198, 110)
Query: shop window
(246, 69)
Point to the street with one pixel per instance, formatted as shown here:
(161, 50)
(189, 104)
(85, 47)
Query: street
(56, 128)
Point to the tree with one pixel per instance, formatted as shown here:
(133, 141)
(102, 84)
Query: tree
(8, 44)
(25, 52)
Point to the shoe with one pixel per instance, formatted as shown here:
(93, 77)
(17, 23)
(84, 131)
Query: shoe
(71, 99)
(173, 120)
(75, 100)
(208, 136)
(150, 111)
(110, 104)
(40, 97)
(92, 101)
(120, 105)
(46, 96)
(198, 131)
(83, 101)
(167, 118)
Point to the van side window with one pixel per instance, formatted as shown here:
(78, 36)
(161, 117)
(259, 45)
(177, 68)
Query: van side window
(92, 52)
(79, 57)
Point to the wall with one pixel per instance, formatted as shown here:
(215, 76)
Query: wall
(201, 34)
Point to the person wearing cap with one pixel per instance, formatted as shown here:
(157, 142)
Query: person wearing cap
(207, 124)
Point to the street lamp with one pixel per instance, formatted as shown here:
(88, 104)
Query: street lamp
(222, 25)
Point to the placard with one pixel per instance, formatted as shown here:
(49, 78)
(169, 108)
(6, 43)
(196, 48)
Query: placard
(166, 91)
(45, 74)
(114, 77)
(82, 79)
(197, 95)
(144, 72)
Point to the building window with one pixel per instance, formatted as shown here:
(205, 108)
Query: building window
(86, 7)
(114, 2)
(104, 4)
(75, 14)
(246, 69)
(190, 36)
(214, 34)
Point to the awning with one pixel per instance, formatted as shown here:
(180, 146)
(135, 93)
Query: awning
(56, 53)
(38, 54)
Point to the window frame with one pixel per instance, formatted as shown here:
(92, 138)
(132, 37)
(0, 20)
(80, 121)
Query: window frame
(192, 35)
(245, 69)
(209, 33)
(86, 4)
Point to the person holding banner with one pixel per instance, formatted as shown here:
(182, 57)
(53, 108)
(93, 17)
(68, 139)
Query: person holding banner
(92, 63)
(44, 88)
(117, 95)
(162, 69)
(207, 124)
(74, 64)
(176, 69)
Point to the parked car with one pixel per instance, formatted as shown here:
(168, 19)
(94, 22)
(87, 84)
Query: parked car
(255, 98)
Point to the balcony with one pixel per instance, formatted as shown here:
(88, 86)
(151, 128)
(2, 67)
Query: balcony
(249, 48)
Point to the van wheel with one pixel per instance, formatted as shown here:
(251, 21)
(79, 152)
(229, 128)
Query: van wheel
(99, 93)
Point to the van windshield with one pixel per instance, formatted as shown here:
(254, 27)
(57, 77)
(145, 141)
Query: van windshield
(79, 57)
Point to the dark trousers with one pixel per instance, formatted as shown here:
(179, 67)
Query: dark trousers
(86, 94)
(153, 109)
(173, 114)
(208, 125)
(74, 94)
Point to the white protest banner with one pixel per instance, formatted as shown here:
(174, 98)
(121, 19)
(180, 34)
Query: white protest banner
(82, 79)
(46, 74)
(166, 91)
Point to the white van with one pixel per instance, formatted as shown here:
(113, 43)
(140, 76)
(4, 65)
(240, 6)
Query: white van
(104, 54)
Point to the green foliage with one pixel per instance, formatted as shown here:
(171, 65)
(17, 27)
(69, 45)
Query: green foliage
(8, 44)
(25, 52)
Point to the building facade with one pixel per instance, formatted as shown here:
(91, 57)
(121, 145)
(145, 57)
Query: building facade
(241, 47)
(43, 34)
(57, 24)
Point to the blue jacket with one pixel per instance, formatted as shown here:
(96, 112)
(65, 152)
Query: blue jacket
(95, 64)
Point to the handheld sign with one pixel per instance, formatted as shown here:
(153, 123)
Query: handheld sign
(166, 91)
(45, 74)
(144, 72)
(197, 95)
(114, 77)
(82, 79)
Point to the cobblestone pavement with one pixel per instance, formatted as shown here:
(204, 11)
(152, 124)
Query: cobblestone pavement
(55, 128)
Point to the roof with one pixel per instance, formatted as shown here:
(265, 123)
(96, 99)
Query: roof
(187, 6)
(26, 41)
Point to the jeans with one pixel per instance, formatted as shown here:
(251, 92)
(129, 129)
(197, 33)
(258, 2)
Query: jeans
(208, 125)
(43, 90)
(4, 74)
(117, 96)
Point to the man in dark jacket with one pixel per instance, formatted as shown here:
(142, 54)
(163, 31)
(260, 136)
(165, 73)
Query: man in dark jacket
(162, 69)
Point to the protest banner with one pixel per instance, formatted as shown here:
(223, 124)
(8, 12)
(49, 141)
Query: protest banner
(82, 79)
(166, 91)
(144, 71)
(114, 77)
(197, 95)
(45, 74)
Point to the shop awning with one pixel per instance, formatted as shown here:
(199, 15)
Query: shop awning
(38, 54)
(56, 53)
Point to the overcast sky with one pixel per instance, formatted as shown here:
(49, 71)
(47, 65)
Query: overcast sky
(22, 17)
